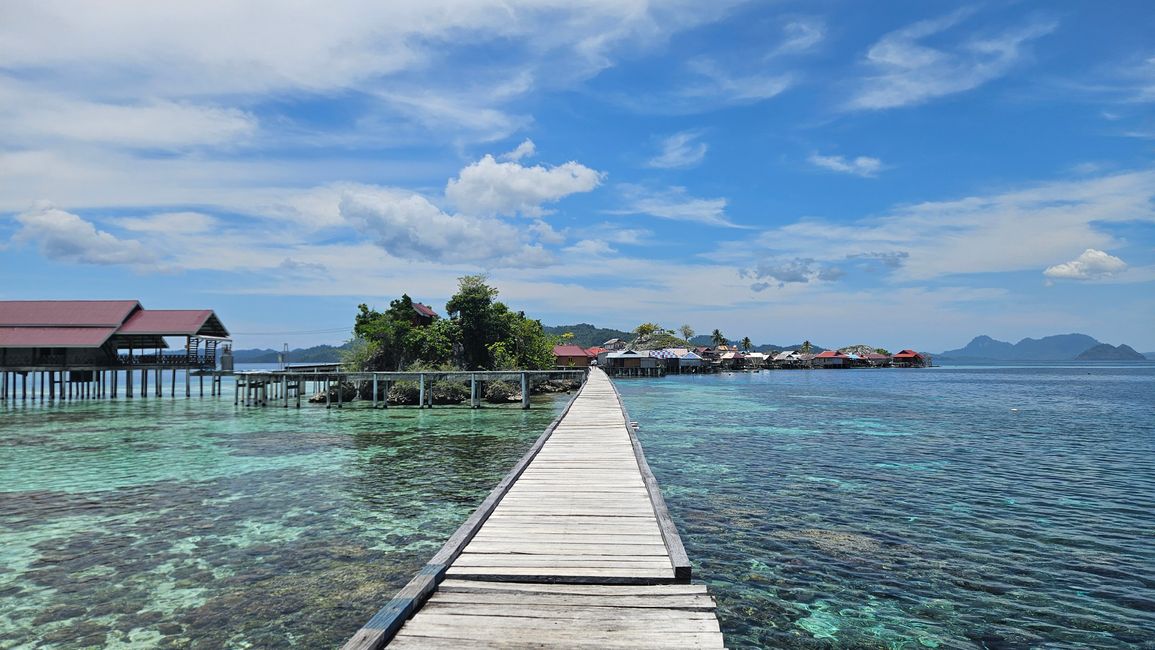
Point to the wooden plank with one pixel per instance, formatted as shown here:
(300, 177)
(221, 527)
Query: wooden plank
(450, 585)
(610, 576)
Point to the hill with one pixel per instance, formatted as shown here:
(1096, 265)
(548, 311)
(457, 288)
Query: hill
(315, 354)
(1061, 347)
(1107, 352)
(587, 335)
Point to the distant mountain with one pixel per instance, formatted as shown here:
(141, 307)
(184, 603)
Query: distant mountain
(1061, 347)
(1107, 352)
(587, 335)
(1149, 355)
(315, 354)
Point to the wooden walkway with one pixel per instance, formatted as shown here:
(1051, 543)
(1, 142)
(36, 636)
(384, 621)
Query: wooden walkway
(574, 549)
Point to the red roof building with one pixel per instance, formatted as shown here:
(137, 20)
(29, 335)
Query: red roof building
(56, 333)
(570, 356)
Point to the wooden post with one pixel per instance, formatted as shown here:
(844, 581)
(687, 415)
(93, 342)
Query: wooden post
(236, 389)
(300, 383)
(340, 392)
(374, 390)
(201, 380)
(187, 383)
(473, 391)
(421, 393)
(285, 389)
(524, 392)
(328, 393)
(52, 385)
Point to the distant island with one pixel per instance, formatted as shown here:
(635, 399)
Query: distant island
(1060, 347)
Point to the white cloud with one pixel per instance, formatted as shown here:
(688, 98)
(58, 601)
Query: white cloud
(524, 150)
(488, 187)
(29, 116)
(65, 237)
(675, 204)
(860, 166)
(801, 36)
(1019, 230)
(590, 248)
(1091, 265)
(906, 71)
(717, 86)
(169, 223)
(408, 226)
(680, 150)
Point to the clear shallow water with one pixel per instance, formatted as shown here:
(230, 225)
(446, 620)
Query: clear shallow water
(914, 508)
(165, 523)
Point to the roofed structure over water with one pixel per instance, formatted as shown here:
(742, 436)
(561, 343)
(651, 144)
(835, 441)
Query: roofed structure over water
(66, 334)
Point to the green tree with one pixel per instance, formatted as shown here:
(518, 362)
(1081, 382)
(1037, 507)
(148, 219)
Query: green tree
(646, 330)
(717, 338)
(687, 332)
(747, 343)
(806, 347)
(472, 308)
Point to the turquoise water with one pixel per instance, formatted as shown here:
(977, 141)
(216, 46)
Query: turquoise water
(940, 508)
(180, 523)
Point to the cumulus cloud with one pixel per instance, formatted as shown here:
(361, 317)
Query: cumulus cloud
(409, 226)
(1091, 265)
(675, 204)
(679, 150)
(906, 71)
(66, 237)
(488, 187)
(861, 166)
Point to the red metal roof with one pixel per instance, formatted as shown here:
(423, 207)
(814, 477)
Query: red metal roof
(568, 351)
(54, 337)
(65, 313)
(907, 354)
(595, 351)
(830, 354)
(166, 322)
(424, 310)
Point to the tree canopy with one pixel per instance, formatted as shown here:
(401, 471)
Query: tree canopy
(479, 334)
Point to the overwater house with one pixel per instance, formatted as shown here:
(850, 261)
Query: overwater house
(875, 360)
(756, 360)
(630, 363)
(832, 359)
(571, 356)
(786, 359)
(614, 344)
(64, 342)
(689, 361)
(909, 359)
(731, 360)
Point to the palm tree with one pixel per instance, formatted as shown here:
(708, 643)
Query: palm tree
(687, 332)
(747, 344)
(717, 338)
(806, 347)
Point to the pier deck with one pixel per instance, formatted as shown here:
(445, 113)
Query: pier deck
(574, 548)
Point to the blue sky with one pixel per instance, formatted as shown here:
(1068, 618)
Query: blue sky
(906, 174)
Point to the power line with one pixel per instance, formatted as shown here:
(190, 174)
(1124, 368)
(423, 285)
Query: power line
(326, 331)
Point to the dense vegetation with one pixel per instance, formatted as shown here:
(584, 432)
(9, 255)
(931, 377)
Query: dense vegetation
(480, 333)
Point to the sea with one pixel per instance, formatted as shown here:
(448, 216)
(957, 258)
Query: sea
(955, 507)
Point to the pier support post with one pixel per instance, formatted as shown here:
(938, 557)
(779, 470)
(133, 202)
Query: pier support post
(524, 392)
(421, 393)
(473, 391)
(374, 390)
(236, 389)
(328, 393)
(285, 390)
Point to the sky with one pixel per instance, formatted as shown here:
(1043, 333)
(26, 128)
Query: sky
(905, 174)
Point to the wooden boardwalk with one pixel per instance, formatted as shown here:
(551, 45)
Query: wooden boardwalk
(575, 549)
